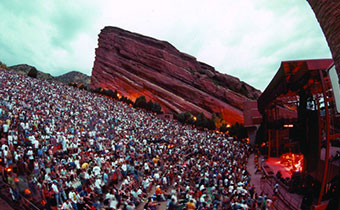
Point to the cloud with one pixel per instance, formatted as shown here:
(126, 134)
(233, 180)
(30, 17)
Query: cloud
(247, 39)
(43, 34)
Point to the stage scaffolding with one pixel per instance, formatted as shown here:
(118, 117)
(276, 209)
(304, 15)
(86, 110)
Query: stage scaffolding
(299, 115)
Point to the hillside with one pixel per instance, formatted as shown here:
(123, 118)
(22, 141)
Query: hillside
(24, 69)
(73, 76)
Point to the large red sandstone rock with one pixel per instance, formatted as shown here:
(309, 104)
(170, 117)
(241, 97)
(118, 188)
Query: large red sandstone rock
(137, 65)
(328, 14)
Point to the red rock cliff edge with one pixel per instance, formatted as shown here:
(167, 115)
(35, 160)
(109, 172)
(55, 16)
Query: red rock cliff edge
(136, 65)
(327, 13)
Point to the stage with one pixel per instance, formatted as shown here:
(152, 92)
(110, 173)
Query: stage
(284, 164)
(275, 166)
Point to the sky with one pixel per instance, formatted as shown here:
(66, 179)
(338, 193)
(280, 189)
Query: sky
(246, 38)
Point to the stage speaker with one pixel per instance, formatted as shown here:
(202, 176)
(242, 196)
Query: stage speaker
(307, 132)
(309, 145)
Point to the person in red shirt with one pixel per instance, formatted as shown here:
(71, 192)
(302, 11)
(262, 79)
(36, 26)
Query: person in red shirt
(160, 194)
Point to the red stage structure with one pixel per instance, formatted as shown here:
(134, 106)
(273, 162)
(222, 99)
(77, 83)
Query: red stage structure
(300, 118)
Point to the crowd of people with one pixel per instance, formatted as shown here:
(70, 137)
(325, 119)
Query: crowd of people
(78, 150)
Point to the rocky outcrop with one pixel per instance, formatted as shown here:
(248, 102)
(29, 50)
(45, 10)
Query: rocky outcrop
(136, 65)
(67, 78)
(24, 69)
(328, 14)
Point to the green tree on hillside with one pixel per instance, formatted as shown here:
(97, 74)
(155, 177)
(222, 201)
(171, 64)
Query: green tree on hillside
(238, 130)
(157, 108)
(33, 73)
(149, 105)
(218, 119)
(140, 102)
(223, 128)
(211, 124)
(3, 66)
(185, 117)
(202, 120)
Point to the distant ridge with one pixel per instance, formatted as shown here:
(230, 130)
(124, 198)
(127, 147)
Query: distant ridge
(73, 76)
(24, 69)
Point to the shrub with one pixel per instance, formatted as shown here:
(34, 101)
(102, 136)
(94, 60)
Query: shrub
(201, 120)
(72, 84)
(157, 108)
(140, 102)
(149, 105)
(98, 90)
(109, 93)
(33, 73)
(82, 87)
(211, 124)
(218, 119)
(184, 117)
(223, 128)
(238, 130)
(3, 66)
(115, 95)
(129, 102)
(124, 99)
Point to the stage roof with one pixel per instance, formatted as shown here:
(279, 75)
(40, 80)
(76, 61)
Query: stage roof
(292, 76)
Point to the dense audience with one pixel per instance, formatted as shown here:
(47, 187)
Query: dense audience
(77, 150)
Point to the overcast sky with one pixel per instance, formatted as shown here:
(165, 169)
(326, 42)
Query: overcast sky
(245, 38)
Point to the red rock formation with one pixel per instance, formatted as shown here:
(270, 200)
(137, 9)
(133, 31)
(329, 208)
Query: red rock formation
(328, 14)
(137, 65)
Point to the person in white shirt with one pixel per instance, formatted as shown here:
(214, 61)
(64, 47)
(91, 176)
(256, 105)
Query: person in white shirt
(113, 203)
(96, 170)
(98, 185)
(5, 127)
(30, 155)
(4, 148)
(146, 184)
(72, 195)
(67, 205)
(56, 193)
(35, 144)
(124, 169)
(10, 139)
